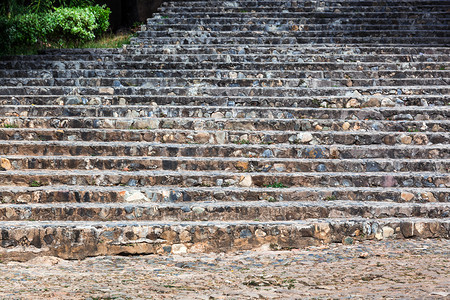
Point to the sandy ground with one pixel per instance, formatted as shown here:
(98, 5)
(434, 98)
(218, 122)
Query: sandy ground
(369, 270)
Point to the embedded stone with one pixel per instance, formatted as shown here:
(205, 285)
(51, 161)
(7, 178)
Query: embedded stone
(428, 196)
(243, 165)
(346, 125)
(260, 233)
(179, 249)
(106, 91)
(420, 139)
(135, 197)
(373, 102)
(245, 181)
(386, 102)
(5, 164)
(405, 139)
(406, 196)
(407, 229)
(387, 231)
(217, 115)
(352, 103)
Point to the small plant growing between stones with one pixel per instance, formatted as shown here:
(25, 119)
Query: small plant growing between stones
(10, 126)
(315, 102)
(274, 247)
(278, 185)
(330, 198)
(35, 183)
(272, 199)
(413, 130)
(242, 142)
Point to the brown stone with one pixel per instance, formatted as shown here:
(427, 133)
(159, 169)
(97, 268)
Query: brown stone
(405, 139)
(389, 140)
(352, 103)
(373, 102)
(5, 164)
(420, 139)
(242, 165)
(428, 196)
(407, 229)
(406, 196)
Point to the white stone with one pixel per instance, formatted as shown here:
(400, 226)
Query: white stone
(387, 231)
(245, 181)
(106, 90)
(179, 249)
(135, 197)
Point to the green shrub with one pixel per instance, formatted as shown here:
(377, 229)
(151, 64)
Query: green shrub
(62, 27)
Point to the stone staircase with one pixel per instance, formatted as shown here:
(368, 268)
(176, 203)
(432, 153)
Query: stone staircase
(230, 125)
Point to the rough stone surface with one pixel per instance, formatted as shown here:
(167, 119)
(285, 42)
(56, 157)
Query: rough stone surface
(393, 269)
(231, 125)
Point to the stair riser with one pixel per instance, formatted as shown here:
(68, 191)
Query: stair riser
(247, 151)
(234, 101)
(214, 82)
(226, 213)
(297, 65)
(286, 41)
(259, 165)
(223, 137)
(278, 91)
(429, 115)
(23, 243)
(130, 51)
(124, 76)
(332, 33)
(86, 195)
(225, 180)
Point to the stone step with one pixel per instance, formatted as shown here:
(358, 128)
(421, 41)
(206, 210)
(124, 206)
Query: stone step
(126, 75)
(242, 55)
(289, 4)
(22, 240)
(144, 149)
(300, 26)
(180, 10)
(285, 34)
(274, 12)
(205, 89)
(410, 116)
(228, 64)
(269, 165)
(165, 194)
(223, 82)
(246, 135)
(395, 97)
(224, 211)
(359, 38)
(231, 49)
(222, 178)
(136, 125)
(294, 3)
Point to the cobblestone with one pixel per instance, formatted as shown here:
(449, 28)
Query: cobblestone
(408, 269)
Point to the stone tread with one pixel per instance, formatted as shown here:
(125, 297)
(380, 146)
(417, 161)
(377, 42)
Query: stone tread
(227, 136)
(226, 163)
(206, 142)
(83, 148)
(144, 178)
(234, 101)
(260, 211)
(164, 194)
(251, 49)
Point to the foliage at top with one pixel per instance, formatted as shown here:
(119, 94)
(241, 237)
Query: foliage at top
(50, 23)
